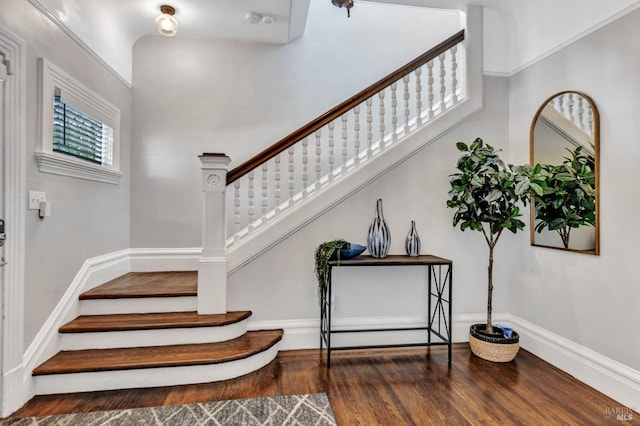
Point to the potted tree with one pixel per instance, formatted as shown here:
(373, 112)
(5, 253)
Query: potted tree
(485, 193)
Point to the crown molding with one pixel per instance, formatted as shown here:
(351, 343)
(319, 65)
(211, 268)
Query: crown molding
(79, 42)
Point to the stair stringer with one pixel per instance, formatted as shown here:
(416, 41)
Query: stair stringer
(244, 251)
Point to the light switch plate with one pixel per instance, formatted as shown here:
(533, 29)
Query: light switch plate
(35, 197)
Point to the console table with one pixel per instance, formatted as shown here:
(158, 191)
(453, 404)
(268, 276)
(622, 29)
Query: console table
(439, 281)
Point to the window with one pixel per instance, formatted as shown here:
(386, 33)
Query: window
(80, 135)
(79, 129)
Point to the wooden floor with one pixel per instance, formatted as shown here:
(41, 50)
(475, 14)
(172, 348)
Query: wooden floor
(410, 386)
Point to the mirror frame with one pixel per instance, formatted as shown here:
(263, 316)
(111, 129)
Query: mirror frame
(596, 160)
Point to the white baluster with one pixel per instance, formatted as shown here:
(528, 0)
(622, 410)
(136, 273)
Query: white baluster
(331, 145)
(443, 85)
(265, 193)
(318, 159)
(589, 120)
(381, 113)
(344, 143)
(394, 111)
(277, 194)
(305, 170)
(579, 113)
(430, 96)
(418, 73)
(454, 78)
(566, 105)
(291, 176)
(570, 108)
(407, 110)
(557, 104)
(356, 135)
(250, 195)
(236, 210)
(369, 127)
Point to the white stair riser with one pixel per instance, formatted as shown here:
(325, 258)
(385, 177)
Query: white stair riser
(160, 337)
(140, 305)
(151, 377)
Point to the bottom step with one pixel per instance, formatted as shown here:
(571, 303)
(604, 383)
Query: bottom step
(106, 369)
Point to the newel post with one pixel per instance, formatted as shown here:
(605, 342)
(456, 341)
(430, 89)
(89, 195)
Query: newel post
(212, 266)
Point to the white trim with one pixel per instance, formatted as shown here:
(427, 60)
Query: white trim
(79, 42)
(13, 393)
(152, 337)
(298, 334)
(164, 259)
(574, 39)
(608, 376)
(93, 272)
(488, 73)
(305, 333)
(68, 166)
(52, 79)
(135, 305)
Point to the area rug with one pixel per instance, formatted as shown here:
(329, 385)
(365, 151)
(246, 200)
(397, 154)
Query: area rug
(290, 410)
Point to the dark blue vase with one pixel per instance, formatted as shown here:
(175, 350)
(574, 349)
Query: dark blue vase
(379, 238)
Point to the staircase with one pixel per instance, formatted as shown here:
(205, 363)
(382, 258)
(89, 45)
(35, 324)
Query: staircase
(141, 330)
(169, 328)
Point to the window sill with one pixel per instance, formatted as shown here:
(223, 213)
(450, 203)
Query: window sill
(60, 165)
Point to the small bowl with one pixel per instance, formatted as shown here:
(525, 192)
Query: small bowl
(354, 251)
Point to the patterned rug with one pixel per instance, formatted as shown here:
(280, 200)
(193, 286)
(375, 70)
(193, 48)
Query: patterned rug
(290, 410)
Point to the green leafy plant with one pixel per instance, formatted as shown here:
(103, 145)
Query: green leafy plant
(485, 192)
(323, 254)
(564, 195)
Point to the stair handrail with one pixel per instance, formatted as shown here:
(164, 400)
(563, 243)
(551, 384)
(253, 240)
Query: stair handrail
(331, 115)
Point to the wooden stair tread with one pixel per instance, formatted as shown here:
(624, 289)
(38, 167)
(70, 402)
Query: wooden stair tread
(93, 360)
(147, 284)
(150, 321)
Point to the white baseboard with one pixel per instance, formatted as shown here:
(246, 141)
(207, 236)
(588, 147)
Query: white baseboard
(298, 334)
(93, 272)
(608, 376)
(604, 374)
(19, 391)
(164, 259)
(305, 334)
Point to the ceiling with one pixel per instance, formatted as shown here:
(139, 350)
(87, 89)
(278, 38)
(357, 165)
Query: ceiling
(123, 22)
(513, 34)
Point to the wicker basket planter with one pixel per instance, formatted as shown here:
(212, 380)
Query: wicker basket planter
(491, 347)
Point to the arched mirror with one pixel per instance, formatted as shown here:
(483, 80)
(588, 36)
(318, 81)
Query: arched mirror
(564, 147)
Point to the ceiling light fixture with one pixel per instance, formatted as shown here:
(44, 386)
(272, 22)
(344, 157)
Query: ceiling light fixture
(166, 23)
(344, 3)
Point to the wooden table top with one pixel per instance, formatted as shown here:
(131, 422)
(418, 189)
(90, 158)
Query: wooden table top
(392, 259)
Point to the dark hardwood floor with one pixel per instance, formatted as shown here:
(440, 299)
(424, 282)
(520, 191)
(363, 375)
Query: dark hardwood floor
(408, 386)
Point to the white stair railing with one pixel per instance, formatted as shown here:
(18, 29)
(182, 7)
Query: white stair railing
(335, 144)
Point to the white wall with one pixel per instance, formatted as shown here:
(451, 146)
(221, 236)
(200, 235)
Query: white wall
(193, 96)
(88, 218)
(590, 300)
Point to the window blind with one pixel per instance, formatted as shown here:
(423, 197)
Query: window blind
(80, 135)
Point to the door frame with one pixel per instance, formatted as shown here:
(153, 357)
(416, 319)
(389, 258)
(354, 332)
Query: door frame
(14, 383)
